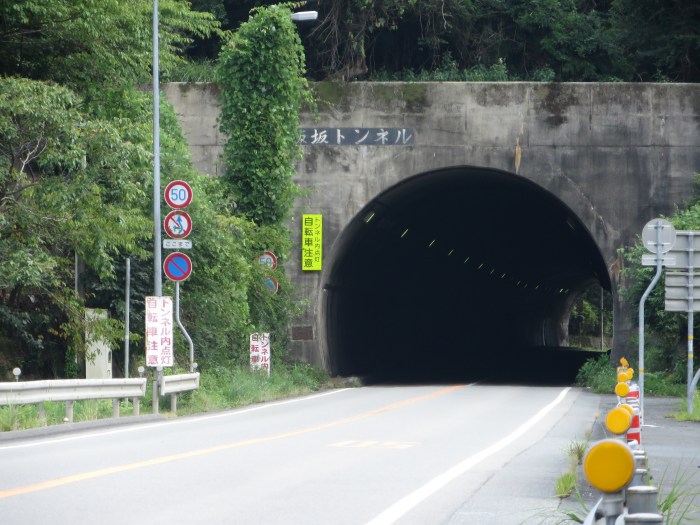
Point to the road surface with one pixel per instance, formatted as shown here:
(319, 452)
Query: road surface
(461, 454)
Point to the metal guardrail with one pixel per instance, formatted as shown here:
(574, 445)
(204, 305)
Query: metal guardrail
(70, 390)
(179, 383)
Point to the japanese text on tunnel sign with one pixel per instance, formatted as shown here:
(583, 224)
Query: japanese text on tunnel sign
(356, 136)
(311, 242)
(159, 331)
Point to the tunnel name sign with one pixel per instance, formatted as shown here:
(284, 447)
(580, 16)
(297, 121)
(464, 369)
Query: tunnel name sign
(356, 136)
(312, 242)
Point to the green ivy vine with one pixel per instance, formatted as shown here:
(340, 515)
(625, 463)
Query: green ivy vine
(263, 87)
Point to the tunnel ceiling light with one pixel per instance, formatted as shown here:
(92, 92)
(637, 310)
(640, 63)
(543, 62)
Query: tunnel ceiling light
(404, 233)
(451, 252)
(492, 270)
(503, 276)
(369, 218)
(570, 223)
(481, 266)
(466, 260)
(431, 243)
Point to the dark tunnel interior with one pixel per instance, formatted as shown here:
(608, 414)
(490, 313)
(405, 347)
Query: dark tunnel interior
(459, 274)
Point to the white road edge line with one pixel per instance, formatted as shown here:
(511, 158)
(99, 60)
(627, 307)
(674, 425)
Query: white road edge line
(404, 505)
(37, 441)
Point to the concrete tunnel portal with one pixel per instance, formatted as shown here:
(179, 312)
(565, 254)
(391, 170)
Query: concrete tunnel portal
(459, 274)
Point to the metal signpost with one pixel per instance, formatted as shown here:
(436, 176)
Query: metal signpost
(680, 252)
(681, 289)
(658, 237)
(177, 265)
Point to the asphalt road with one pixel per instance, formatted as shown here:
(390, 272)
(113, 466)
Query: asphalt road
(464, 454)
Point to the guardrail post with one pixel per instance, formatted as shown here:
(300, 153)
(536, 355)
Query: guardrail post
(137, 406)
(613, 505)
(173, 403)
(640, 477)
(69, 411)
(115, 407)
(156, 388)
(643, 498)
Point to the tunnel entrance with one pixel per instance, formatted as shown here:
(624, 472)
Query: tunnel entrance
(458, 274)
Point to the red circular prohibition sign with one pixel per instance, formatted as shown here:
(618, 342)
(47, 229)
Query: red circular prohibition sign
(178, 224)
(178, 194)
(177, 266)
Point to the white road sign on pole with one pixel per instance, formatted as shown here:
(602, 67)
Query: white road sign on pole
(159, 331)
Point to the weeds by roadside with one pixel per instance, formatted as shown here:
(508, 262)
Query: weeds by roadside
(678, 501)
(220, 388)
(566, 484)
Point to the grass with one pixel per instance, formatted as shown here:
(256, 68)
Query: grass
(599, 375)
(220, 388)
(566, 484)
(683, 414)
(192, 71)
(678, 501)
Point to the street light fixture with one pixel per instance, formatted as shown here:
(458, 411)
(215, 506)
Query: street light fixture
(304, 16)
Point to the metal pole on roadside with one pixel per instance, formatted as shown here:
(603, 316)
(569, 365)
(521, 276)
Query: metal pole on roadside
(690, 352)
(179, 323)
(157, 276)
(659, 268)
(691, 274)
(126, 317)
(157, 257)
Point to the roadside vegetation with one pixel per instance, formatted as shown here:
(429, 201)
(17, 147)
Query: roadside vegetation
(222, 387)
(480, 40)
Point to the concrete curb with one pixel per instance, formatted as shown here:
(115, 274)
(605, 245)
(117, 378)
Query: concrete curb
(82, 426)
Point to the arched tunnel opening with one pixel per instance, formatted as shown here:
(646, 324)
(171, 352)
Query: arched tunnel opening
(459, 274)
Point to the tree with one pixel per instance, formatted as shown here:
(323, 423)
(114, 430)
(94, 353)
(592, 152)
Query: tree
(261, 73)
(69, 185)
(87, 43)
(261, 70)
(656, 40)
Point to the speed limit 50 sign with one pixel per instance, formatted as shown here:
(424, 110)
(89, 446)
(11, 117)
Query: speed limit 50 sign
(178, 194)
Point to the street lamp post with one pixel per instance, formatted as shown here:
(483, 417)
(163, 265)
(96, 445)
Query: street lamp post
(302, 16)
(157, 254)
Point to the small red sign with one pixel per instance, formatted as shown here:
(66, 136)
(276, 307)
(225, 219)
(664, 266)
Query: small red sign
(177, 266)
(178, 224)
(268, 259)
(271, 284)
(178, 194)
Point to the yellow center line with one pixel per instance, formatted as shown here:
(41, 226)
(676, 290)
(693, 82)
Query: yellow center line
(75, 478)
